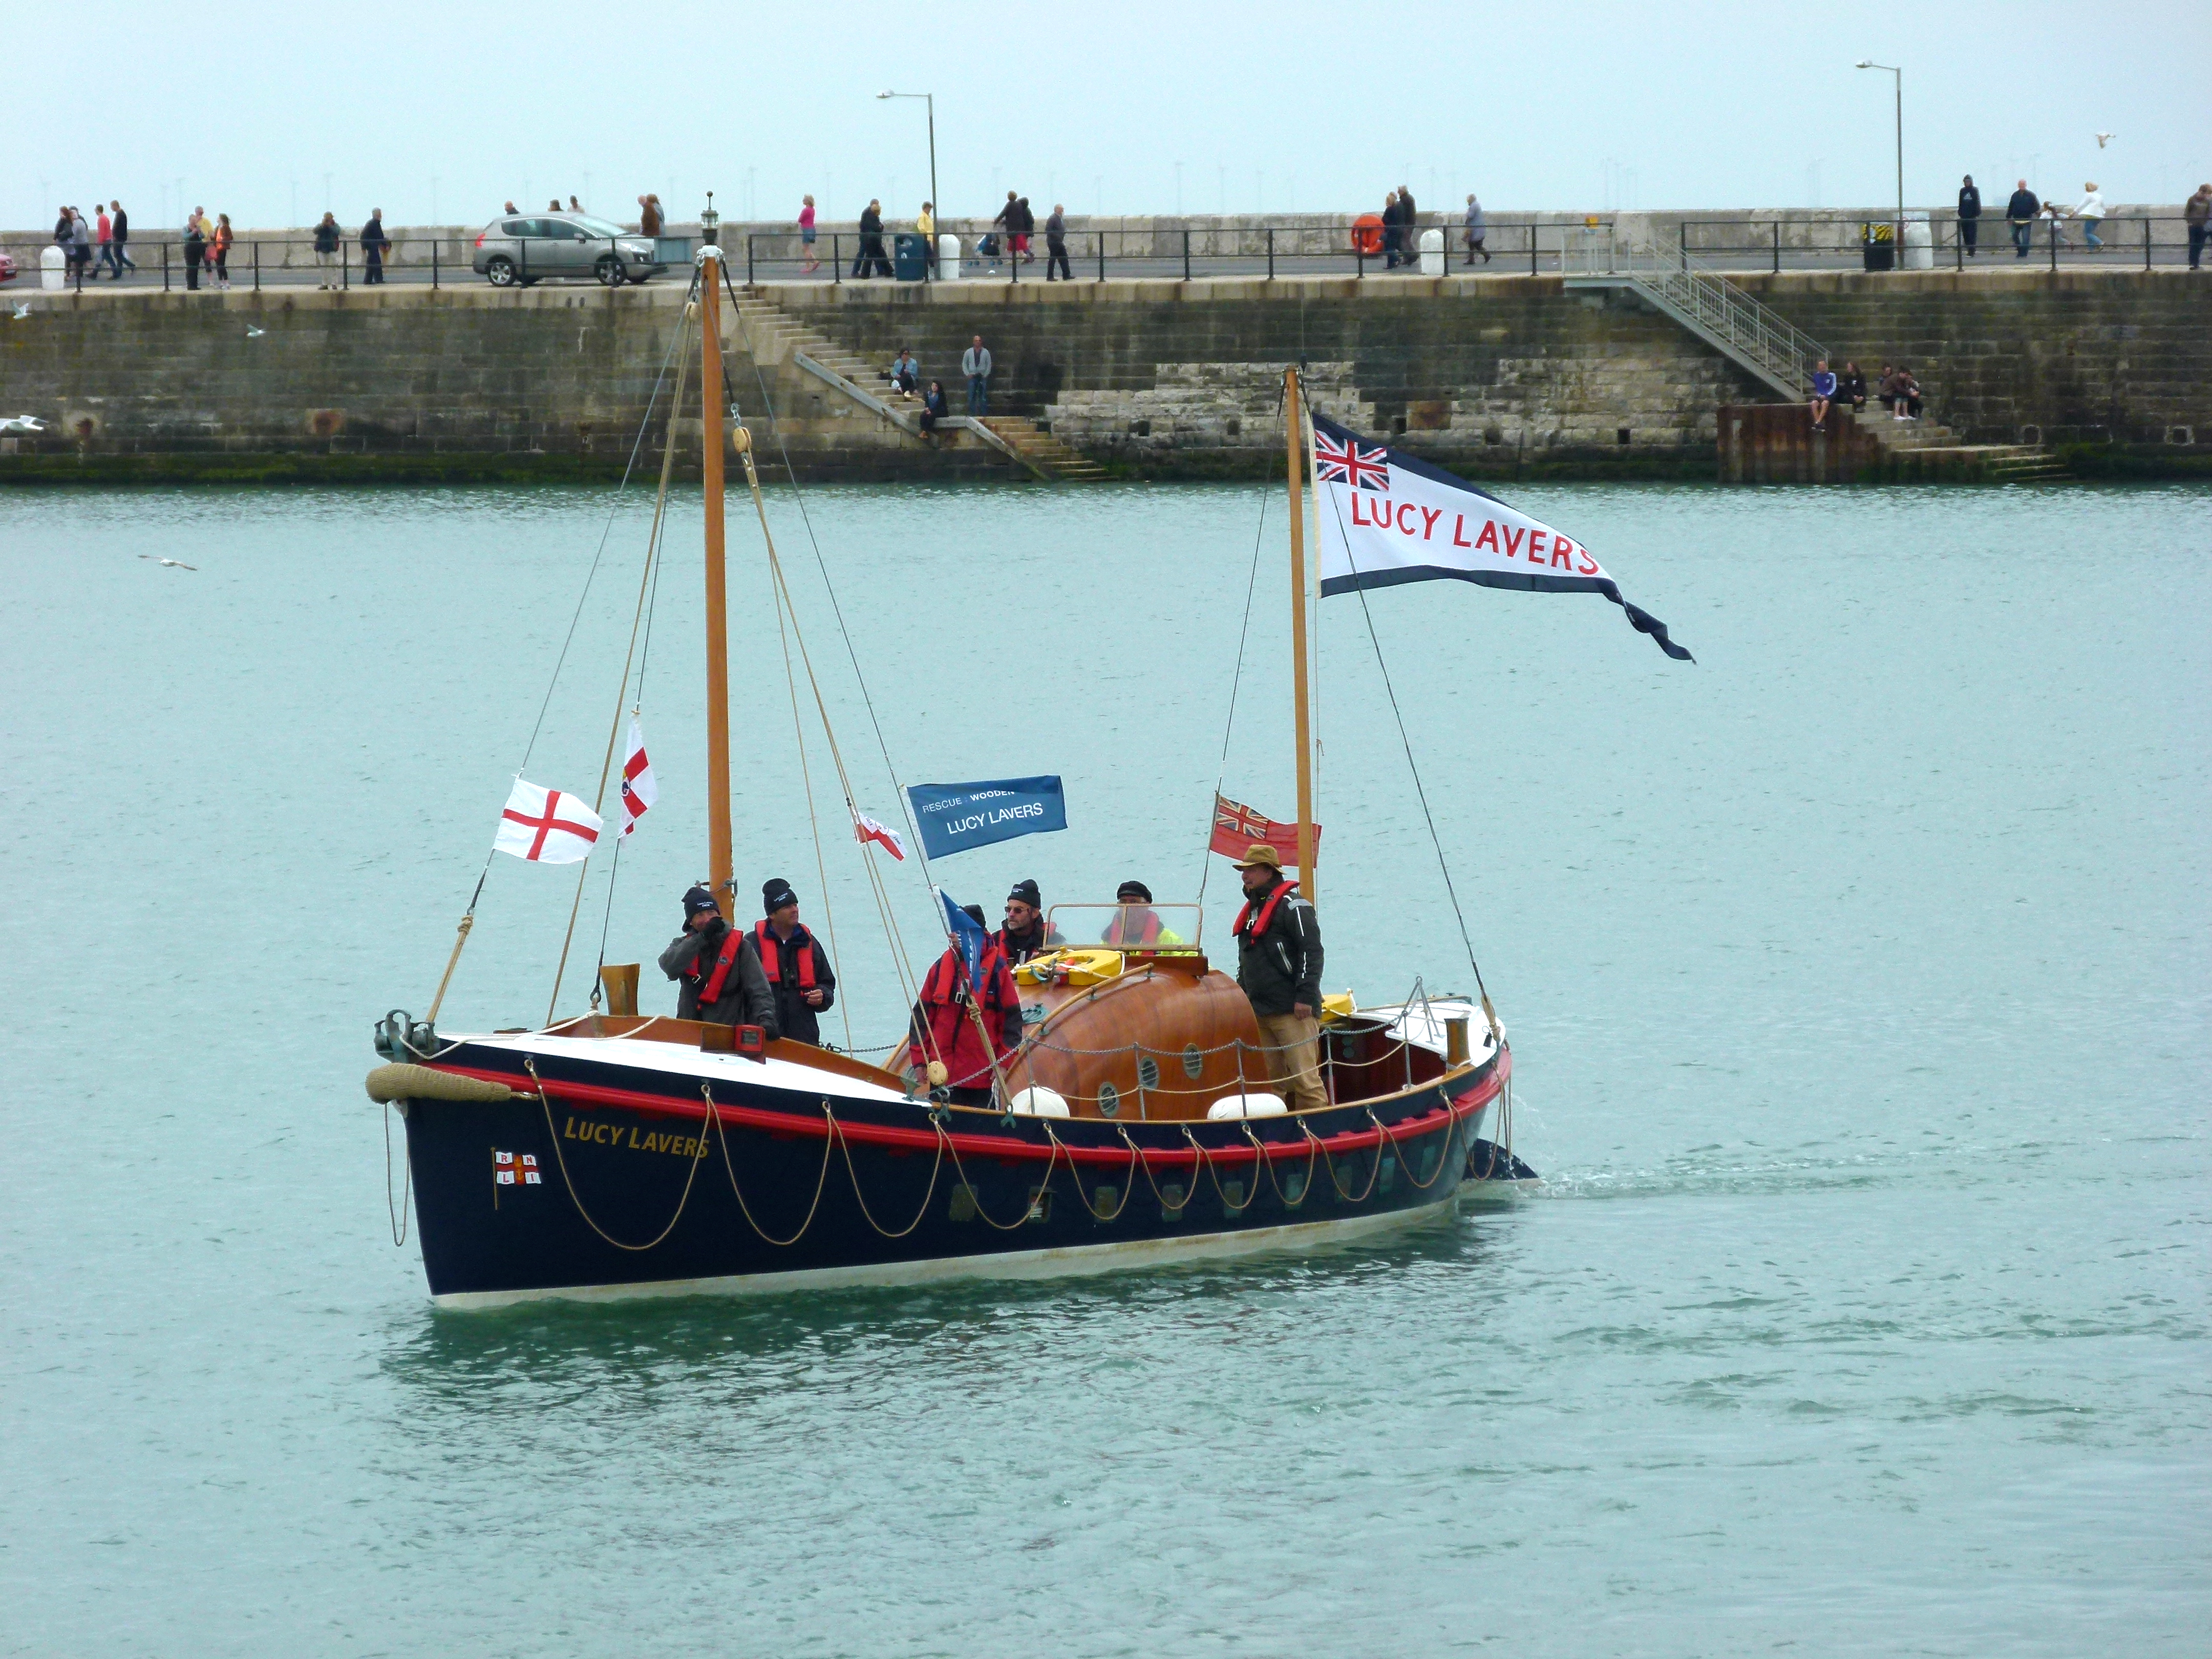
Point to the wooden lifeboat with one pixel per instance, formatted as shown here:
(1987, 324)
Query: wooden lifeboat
(1135, 1036)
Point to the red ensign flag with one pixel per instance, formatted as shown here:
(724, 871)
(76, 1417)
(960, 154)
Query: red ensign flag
(1237, 828)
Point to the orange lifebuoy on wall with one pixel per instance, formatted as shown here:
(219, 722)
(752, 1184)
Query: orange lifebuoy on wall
(1367, 234)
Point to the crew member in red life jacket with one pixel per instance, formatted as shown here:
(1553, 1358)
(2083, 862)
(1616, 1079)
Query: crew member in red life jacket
(1136, 925)
(1027, 933)
(797, 966)
(1278, 965)
(716, 969)
(944, 1029)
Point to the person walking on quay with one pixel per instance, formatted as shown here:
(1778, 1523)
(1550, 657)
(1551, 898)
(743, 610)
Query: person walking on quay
(2198, 213)
(1392, 222)
(1969, 216)
(1477, 232)
(80, 244)
(2091, 212)
(1007, 221)
(806, 236)
(649, 216)
(219, 249)
(2020, 214)
(925, 226)
(373, 242)
(1055, 244)
(120, 242)
(870, 261)
(103, 231)
(207, 238)
(976, 364)
(195, 252)
(327, 236)
(1028, 230)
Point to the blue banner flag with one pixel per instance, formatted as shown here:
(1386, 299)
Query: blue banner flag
(965, 931)
(955, 816)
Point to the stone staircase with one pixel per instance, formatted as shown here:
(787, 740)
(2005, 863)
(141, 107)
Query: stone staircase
(1929, 449)
(1044, 453)
(773, 333)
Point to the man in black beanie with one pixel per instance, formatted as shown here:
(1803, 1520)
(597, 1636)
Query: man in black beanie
(717, 971)
(797, 966)
(1026, 933)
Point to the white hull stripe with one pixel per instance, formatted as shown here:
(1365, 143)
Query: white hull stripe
(1010, 1264)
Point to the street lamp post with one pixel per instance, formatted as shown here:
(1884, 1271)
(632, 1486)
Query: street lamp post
(1897, 80)
(936, 202)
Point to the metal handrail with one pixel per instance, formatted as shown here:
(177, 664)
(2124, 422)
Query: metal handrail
(1674, 278)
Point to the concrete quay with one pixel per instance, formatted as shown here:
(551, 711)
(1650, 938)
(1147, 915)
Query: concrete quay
(1495, 375)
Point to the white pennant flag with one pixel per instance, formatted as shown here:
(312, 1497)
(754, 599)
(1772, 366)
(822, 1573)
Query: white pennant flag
(639, 791)
(545, 826)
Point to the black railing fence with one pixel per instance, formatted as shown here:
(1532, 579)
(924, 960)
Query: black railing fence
(1340, 248)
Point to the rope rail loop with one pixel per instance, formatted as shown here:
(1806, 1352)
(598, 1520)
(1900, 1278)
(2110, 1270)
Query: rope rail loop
(821, 1179)
(691, 1175)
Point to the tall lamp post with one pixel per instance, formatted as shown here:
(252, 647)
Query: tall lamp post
(936, 202)
(1897, 80)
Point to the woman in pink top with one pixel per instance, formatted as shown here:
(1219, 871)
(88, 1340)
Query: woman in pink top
(806, 235)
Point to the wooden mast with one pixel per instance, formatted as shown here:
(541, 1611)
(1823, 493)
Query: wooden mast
(1293, 421)
(718, 864)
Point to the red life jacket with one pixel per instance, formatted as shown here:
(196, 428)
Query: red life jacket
(944, 996)
(724, 964)
(1283, 890)
(772, 961)
(1148, 936)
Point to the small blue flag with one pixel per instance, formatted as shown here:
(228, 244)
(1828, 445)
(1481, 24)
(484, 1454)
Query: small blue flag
(956, 816)
(965, 931)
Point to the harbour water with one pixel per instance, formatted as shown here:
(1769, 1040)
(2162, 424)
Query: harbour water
(1858, 976)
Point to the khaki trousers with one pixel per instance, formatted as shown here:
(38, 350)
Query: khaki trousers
(1294, 1058)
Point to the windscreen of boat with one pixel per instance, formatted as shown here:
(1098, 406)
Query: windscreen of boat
(1128, 927)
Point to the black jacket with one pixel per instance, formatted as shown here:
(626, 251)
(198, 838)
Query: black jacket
(793, 1018)
(1283, 966)
(1020, 947)
(2023, 205)
(1055, 231)
(1970, 203)
(872, 223)
(326, 239)
(372, 239)
(121, 233)
(745, 999)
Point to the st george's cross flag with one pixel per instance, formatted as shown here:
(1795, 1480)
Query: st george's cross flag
(1387, 516)
(639, 791)
(866, 829)
(1237, 829)
(546, 826)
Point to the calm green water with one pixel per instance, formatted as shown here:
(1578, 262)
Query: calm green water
(1858, 976)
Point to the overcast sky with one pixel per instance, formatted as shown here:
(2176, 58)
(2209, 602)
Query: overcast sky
(417, 105)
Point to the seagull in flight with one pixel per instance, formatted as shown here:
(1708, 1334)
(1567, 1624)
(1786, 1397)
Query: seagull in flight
(173, 564)
(22, 310)
(2103, 138)
(22, 423)
(253, 333)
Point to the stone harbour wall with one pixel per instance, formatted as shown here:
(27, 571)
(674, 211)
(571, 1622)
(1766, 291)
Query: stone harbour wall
(1493, 374)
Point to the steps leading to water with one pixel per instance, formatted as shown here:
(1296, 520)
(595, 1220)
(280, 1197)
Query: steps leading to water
(1044, 451)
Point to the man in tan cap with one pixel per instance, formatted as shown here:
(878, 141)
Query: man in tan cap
(1278, 965)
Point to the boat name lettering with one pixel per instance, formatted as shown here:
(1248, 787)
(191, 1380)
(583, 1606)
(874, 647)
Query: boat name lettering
(638, 1140)
(984, 820)
(1532, 545)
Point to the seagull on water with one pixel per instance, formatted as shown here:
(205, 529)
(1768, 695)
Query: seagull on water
(253, 333)
(22, 423)
(173, 564)
(2103, 138)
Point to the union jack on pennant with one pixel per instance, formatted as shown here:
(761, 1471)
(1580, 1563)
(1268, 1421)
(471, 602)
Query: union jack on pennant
(1346, 460)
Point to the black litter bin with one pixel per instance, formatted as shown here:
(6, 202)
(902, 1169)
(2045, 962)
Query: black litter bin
(909, 257)
(1878, 246)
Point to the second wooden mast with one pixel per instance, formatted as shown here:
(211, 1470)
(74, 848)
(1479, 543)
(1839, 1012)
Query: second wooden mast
(720, 865)
(1294, 424)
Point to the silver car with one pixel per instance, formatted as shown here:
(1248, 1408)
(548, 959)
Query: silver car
(519, 249)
